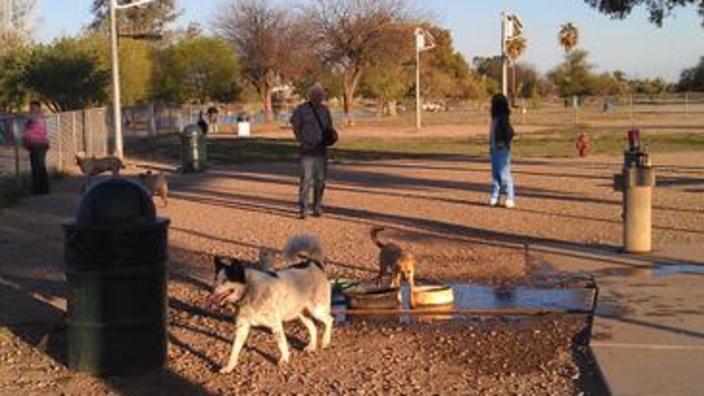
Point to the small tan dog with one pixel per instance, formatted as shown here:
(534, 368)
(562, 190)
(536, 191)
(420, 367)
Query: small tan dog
(94, 166)
(156, 184)
(396, 261)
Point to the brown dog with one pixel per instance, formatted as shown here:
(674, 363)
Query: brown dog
(156, 184)
(396, 261)
(95, 166)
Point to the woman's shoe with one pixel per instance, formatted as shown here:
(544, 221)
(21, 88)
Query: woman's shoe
(510, 204)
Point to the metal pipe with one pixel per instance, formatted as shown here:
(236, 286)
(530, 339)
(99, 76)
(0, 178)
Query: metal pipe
(116, 104)
(504, 64)
(418, 99)
(462, 312)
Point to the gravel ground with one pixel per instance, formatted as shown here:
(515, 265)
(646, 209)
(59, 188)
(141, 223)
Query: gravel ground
(436, 208)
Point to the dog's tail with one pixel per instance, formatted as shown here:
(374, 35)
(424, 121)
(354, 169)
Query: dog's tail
(375, 237)
(303, 247)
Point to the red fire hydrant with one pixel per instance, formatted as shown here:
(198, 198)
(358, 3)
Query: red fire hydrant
(582, 144)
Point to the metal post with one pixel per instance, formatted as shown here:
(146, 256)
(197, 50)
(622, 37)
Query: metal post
(686, 104)
(16, 139)
(630, 98)
(60, 165)
(116, 106)
(418, 99)
(504, 64)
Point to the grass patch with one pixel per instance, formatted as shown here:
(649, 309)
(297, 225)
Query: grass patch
(551, 143)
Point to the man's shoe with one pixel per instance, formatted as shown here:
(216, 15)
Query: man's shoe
(302, 214)
(318, 212)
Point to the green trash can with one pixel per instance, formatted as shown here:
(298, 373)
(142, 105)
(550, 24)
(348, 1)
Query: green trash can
(194, 149)
(116, 253)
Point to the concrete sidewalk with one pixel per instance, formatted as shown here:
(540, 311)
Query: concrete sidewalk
(648, 337)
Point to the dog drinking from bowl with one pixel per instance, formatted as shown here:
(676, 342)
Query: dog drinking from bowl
(268, 298)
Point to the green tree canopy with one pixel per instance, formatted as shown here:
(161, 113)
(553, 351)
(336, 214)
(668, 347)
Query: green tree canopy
(67, 75)
(573, 76)
(692, 79)
(199, 69)
(657, 9)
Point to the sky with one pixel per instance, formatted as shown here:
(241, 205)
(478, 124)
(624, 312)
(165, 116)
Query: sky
(634, 45)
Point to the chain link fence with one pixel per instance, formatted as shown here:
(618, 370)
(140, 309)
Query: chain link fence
(69, 133)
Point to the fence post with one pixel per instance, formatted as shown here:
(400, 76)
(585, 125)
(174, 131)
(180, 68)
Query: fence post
(73, 131)
(16, 139)
(686, 104)
(630, 98)
(58, 131)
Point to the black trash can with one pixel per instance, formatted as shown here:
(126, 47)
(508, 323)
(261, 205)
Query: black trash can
(116, 253)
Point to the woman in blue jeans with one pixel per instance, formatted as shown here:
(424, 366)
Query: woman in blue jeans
(500, 137)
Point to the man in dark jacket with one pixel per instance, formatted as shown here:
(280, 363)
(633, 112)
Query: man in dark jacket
(309, 121)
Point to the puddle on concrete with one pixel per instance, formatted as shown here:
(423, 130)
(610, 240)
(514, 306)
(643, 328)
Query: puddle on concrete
(656, 271)
(469, 296)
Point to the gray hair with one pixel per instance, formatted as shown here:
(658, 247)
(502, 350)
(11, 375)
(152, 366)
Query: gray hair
(316, 89)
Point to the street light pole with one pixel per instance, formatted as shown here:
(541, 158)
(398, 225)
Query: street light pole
(116, 103)
(504, 64)
(419, 108)
(421, 45)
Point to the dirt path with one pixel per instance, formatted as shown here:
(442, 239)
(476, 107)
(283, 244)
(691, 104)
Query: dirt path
(436, 208)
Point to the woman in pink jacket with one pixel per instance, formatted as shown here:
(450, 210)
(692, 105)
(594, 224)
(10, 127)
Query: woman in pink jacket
(36, 140)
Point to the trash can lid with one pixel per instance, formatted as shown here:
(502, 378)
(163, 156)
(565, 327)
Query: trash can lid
(192, 129)
(116, 201)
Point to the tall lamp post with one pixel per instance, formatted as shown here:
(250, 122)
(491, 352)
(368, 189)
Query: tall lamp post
(511, 27)
(424, 42)
(116, 102)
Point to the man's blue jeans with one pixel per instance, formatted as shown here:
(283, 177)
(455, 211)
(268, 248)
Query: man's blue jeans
(314, 169)
(501, 173)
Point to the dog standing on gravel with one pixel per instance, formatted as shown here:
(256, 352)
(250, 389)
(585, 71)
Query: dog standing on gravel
(94, 166)
(395, 261)
(266, 298)
(156, 184)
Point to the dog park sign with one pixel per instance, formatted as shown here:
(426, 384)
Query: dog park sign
(511, 29)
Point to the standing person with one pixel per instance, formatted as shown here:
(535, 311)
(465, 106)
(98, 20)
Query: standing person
(313, 128)
(500, 137)
(36, 140)
(213, 118)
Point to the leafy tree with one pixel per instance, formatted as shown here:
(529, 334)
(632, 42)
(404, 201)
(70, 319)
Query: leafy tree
(692, 79)
(18, 17)
(268, 42)
(527, 84)
(573, 76)
(13, 91)
(153, 17)
(657, 9)
(351, 35)
(199, 69)
(67, 75)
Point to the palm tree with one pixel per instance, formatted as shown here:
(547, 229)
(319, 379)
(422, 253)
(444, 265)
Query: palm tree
(568, 36)
(515, 47)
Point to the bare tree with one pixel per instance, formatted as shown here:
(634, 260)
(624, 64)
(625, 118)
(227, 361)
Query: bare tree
(351, 34)
(17, 23)
(270, 43)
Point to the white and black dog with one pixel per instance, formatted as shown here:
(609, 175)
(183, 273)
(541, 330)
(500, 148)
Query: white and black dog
(267, 298)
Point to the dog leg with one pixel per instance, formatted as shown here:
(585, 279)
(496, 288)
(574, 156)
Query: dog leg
(312, 333)
(278, 331)
(241, 332)
(322, 313)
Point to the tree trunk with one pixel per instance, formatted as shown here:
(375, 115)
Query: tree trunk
(265, 95)
(391, 108)
(349, 86)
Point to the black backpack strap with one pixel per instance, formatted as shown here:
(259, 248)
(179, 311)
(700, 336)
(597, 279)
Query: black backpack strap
(317, 118)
